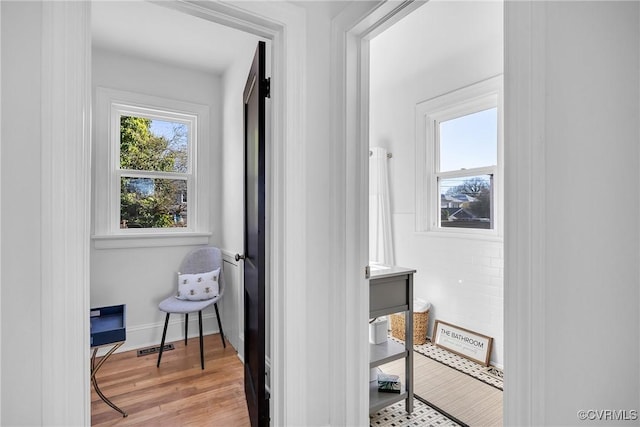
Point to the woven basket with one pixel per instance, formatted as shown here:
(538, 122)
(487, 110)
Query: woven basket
(420, 322)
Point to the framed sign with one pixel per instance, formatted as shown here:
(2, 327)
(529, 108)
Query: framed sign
(462, 342)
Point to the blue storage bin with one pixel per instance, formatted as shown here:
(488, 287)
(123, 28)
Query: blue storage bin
(108, 325)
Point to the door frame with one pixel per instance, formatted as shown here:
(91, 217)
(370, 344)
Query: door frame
(524, 88)
(66, 115)
(351, 31)
(66, 29)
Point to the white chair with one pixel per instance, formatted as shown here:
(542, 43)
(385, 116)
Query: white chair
(197, 261)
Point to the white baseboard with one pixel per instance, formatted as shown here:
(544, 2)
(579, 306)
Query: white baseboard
(150, 335)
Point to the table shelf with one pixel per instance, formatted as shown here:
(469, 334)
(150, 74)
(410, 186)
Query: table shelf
(379, 400)
(388, 351)
(391, 291)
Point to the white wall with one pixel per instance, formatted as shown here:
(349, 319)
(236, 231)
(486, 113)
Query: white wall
(232, 152)
(22, 351)
(591, 277)
(440, 47)
(317, 243)
(591, 280)
(142, 277)
(232, 175)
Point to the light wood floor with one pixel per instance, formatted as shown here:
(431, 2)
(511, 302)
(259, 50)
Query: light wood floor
(179, 393)
(460, 395)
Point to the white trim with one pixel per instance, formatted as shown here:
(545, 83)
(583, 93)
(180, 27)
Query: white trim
(475, 97)
(150, 240)
(349, 356)
(287, 228)
(109, 105)
(238, 266)
(1, 400)
(525, 229)
(146, 335)
(285, 25)
(65, 217)
(350, 29)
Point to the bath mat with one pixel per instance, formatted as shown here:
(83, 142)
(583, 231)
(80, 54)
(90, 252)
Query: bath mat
(487, 374)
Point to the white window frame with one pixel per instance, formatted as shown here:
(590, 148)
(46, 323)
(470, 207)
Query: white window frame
(429, 114)
(120, 110)
(110, 105)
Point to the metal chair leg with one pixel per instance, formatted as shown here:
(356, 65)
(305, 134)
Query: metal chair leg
(186, 327)
(201, 340)
(164, 335)
(215, 305)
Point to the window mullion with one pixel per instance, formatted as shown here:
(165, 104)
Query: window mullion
(131, 173)
(488, 170)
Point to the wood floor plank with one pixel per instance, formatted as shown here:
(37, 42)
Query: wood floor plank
(178, 393)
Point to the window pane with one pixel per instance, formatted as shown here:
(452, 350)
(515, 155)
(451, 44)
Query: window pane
(153, 145)
(469, 141)
(465, 202)
(153, 203)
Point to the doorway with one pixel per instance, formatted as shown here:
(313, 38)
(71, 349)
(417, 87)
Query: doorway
(278, 24)
(433, 138)
(161, 64)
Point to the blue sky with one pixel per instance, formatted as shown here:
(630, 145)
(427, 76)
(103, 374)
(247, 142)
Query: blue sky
(163, 128)
(469, 141)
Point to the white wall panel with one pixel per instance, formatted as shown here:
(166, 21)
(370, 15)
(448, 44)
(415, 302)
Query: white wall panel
(592, 134)
(21, 259)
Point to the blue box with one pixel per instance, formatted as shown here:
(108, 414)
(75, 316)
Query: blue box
(108, 324)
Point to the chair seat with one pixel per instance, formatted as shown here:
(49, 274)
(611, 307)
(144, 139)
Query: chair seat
(175, 305)
(198, 261)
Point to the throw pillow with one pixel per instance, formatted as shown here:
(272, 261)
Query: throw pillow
(198, 287)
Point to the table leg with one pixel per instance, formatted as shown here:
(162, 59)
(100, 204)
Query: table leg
(94, 380)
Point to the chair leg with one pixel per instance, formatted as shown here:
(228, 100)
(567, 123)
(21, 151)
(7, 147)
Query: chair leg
(220, 325)
(164, 335)
(186, 327)
(201, 340)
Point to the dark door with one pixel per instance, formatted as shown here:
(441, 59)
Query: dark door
(255, 93)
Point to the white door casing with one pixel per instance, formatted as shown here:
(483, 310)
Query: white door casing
(66, 183)
(524, 88)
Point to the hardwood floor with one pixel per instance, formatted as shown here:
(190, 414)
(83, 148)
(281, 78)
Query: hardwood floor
(179, 393)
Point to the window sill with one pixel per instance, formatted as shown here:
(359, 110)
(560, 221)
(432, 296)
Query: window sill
(149, 240)
(461, 234)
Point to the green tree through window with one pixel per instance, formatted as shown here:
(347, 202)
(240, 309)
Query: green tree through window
(152, 202)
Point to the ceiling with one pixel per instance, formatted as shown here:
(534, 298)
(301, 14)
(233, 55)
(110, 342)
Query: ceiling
(155, 32)
(436, 33)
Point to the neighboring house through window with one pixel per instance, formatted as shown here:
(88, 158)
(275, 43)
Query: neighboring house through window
(154, 167)
(459, 150)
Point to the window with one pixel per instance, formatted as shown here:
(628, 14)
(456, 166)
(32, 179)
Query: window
(154, 168)
(147, 181)
(459, 168)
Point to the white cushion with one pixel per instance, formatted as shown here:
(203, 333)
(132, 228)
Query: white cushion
(198, 287)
